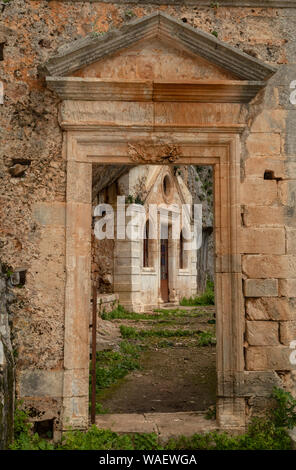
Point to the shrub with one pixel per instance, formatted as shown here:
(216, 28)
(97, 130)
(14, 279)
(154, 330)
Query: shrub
(24, 438)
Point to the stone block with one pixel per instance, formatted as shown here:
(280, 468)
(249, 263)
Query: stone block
(76, 412)
(259, 383)
(273, 119)
(262, 333)
(260, 405)
(264, 144)
(76, 383)
(261, 287)
(268, 358)
(290, 215)
(256, 167)
(290, 141)
(290, 169)
(255, 191)
(291, 240)
(287, 332)
(287, 192)
(231, 412)
(272, 308)
(262, 240)
(269, 266)
(41, 383)
(263, 215)
(287, 287)
(79, 177)
(53, 213)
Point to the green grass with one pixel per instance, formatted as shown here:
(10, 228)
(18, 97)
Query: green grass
(158, 314)
(132, 333)
(207, 298)
(204, 337)
(121, 313)
(112, 365)
(269, 433)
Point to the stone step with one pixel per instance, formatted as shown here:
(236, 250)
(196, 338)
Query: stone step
(165, 425)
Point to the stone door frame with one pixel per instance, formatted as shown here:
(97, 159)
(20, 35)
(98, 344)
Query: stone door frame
(88, 144)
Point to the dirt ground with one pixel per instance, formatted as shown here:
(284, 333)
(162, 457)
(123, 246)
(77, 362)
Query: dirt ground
(176, 374)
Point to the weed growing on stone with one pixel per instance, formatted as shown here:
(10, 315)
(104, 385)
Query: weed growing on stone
(207, 298)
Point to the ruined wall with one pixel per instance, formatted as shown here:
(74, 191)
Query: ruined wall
(33, 193)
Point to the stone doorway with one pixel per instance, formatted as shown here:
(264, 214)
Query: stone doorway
(164, 271)
(223, 156)
(173, 366)
(193, 113)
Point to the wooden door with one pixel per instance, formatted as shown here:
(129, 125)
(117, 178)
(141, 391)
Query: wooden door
(164, 274)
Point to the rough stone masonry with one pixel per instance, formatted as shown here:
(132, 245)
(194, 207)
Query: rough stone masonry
(33, 189)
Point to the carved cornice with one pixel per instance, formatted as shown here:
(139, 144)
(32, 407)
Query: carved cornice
(93, 48)
(149, 152)
(207, 91)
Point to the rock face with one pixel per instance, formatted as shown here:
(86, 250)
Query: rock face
(199, 180)
(6, 368)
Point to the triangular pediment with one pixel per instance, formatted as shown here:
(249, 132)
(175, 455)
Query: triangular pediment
(201, 55)
(154, 59)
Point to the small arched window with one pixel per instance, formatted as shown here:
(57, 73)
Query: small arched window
(146, 246)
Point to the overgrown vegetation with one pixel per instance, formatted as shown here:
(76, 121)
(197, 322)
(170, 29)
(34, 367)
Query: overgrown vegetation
(204, 337)
(112, 366)
(207, 298)
(158, 314)
(269, 433)
(284, 414)
(121, 313)
(24, 438)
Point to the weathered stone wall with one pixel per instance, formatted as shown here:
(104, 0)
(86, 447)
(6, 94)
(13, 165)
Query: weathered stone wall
(32, 206)
(6, 365)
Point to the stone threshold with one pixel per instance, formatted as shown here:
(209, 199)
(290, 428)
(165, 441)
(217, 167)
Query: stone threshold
(165, 425)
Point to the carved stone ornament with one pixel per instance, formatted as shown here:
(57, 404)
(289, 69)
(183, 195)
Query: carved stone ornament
(149, 152)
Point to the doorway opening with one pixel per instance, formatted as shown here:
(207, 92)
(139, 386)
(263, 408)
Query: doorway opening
(164, 269)
(156, 327)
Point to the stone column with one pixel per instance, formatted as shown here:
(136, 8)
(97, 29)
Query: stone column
(77, 299)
